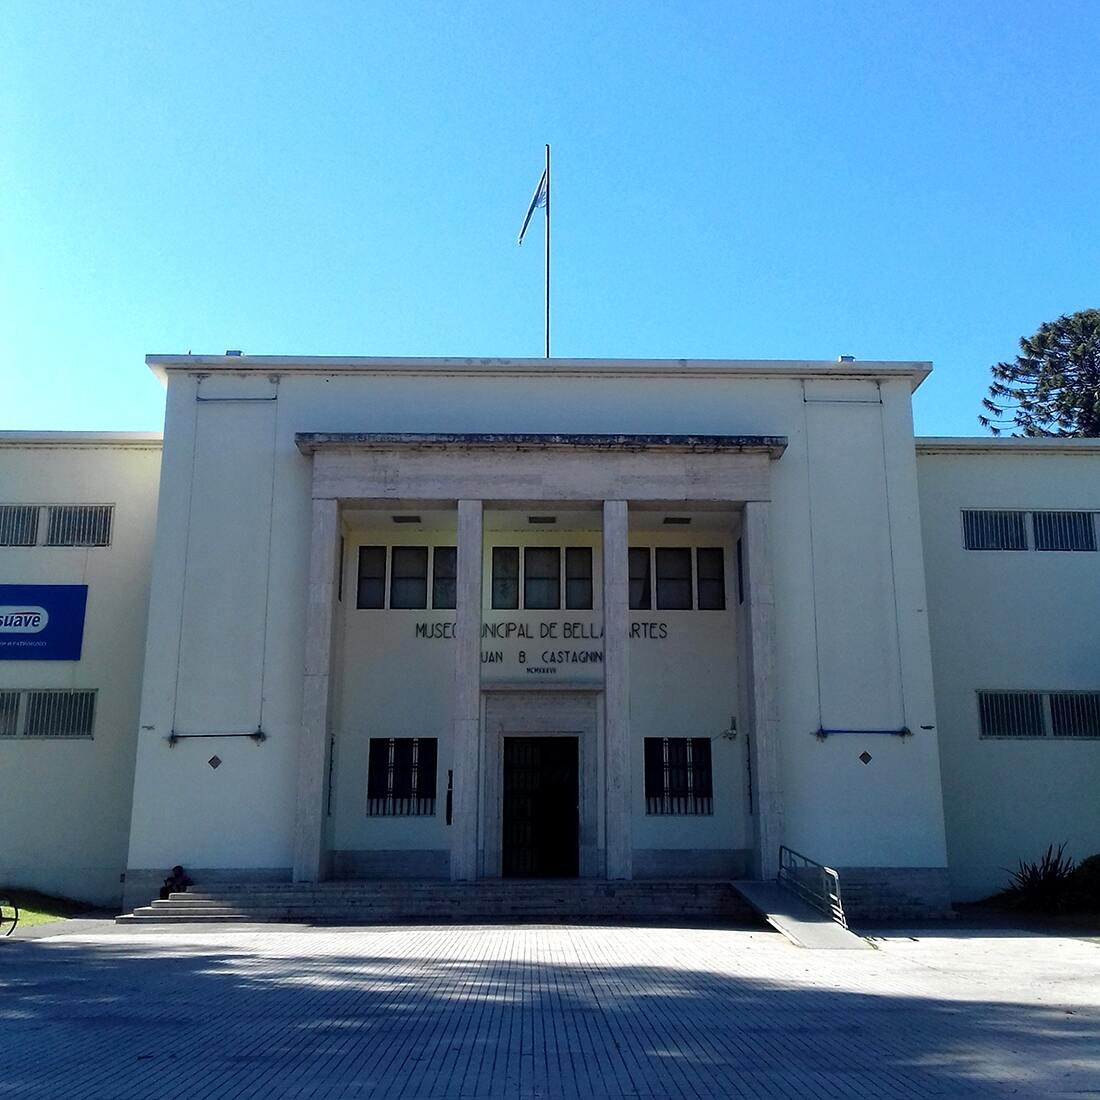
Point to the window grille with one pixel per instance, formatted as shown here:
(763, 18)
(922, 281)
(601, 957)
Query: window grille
(678, 778)
(1011, 713)
(985, 530)
(401, 776)
(1063, 530)
(9, 713)
(61, 713)
(578, 578)
(79, 525)
(409, 577)
(710, 583)
(1075, 713)
(18, 524)
(444, 577)
(542, 578)
(371, 590)
(505, 578)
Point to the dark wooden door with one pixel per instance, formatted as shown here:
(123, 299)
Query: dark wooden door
(540, 835)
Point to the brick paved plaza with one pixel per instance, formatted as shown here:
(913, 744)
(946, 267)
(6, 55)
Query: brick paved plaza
(544, 1011)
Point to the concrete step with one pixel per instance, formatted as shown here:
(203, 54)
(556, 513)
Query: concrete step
(418, 901)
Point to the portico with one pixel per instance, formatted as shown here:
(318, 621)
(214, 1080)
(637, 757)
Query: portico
(620, 484)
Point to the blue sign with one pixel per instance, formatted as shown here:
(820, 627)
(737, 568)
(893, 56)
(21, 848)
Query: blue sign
(42, 622)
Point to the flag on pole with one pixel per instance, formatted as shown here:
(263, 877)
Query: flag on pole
(540, 199)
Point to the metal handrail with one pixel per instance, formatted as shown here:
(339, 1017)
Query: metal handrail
(813, 882)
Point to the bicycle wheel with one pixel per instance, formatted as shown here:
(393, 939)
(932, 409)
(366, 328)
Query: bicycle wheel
(9, 917)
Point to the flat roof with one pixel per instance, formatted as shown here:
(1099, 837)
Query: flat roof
(161, 365)
(145, 440)
(1035, 444)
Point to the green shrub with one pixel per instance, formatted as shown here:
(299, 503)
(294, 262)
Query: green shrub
(1043, 886)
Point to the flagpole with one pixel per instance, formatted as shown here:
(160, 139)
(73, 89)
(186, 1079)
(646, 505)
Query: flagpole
(547, 251)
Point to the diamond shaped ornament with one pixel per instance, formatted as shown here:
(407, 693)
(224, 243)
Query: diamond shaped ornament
(215, 762)
(865, 757)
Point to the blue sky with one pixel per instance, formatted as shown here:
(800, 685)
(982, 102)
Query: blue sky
(731, 180)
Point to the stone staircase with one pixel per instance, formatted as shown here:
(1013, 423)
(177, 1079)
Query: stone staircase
(404, 902)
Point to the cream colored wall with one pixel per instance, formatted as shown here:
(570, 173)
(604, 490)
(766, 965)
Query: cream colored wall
(1011, 620)
(830, 553)
(65, 803)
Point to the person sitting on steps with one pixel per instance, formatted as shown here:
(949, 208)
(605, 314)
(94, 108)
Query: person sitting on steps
(176, 883)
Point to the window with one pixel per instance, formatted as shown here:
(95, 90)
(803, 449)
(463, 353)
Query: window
(641, 585)
(79, 525)
(678, 776)
(542, 578)
(505, 578)
(444, 575)
(9, 713)
(1075, 713)
(994, 530)
(401, 776)
(1011, 713)
(711, 578)
(409, 577)
(1063, 530)
(18, 524)
(371, 592)
(578, 578)
(47, 713)
(673, 579)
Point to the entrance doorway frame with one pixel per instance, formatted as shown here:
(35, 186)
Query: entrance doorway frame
(558, 712)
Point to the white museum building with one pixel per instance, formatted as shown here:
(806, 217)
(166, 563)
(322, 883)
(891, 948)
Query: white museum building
(472, 619)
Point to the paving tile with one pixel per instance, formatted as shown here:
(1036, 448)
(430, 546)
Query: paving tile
(558, 1012)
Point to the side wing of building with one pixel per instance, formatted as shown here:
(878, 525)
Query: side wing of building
(1012, 559)
(77, 513)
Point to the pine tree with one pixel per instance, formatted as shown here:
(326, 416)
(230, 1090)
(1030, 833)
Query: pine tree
(1053, 387)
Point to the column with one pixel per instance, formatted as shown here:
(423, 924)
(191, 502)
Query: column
(763, 715)
(312, 746)
(467, 692)
(616, 666)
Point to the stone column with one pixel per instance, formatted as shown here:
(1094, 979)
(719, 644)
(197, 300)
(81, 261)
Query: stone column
(763, 715)
(467, 691)
(313, 743)
(616, 666)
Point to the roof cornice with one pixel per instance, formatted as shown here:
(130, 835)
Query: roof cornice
(162, 365)
(311, 442)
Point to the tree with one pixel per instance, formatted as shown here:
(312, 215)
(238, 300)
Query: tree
(1053, 387)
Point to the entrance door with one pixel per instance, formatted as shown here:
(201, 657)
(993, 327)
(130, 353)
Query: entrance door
(540, 837)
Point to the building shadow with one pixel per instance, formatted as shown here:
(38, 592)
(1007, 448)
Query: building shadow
(171, 1016)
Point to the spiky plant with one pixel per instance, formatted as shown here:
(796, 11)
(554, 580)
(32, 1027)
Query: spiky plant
(1042, 885)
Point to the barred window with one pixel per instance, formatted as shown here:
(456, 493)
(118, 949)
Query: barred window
(401, 776)
(444, 577)
(9, 713)
(1011, 713)
(1075, 713)
(79, 524)
(986, 530)
(1063, 530)
(59, 713)
(18, 524)
(678, 776)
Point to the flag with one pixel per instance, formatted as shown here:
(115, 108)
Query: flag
(540, 199)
